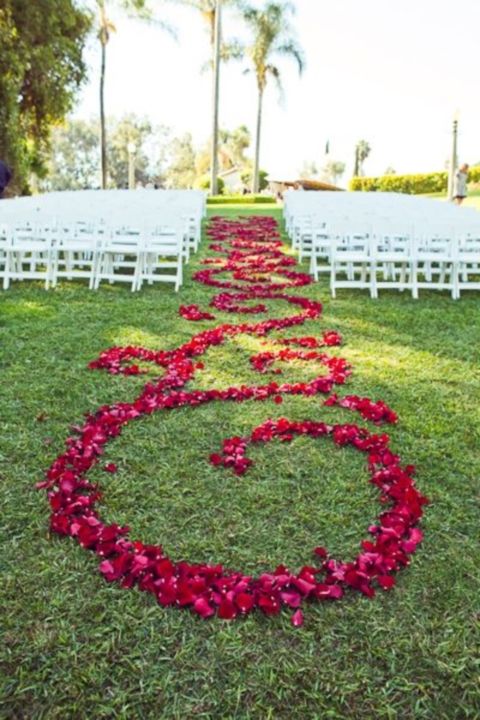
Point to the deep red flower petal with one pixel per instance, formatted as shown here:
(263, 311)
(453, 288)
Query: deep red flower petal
(297, 619)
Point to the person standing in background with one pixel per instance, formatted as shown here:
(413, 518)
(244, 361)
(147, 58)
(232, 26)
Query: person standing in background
(5, 177)
(460, 184)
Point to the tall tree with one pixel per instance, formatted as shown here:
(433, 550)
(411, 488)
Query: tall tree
(74, 157)
(362, 151)
(356, 164)
(106, 27)
(130, 129)
(230, 49)
(105, 30)
(272, 38)
(220, 50)
(333, 171)
(180, 172)
(232, 146)
(41, 69)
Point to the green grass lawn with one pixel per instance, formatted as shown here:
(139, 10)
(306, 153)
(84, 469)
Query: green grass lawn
(73, 646)
(472, 200)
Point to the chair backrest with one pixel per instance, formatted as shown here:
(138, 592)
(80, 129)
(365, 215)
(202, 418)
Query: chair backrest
(355, 245)
(122, 242)
(164, 241)
(32, 238)
(468, 249)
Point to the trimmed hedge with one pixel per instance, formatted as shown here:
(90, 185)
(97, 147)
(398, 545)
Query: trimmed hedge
(240, 200)
(419, 184)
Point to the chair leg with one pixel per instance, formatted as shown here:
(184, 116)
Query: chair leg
(415, 281)
(332, 281)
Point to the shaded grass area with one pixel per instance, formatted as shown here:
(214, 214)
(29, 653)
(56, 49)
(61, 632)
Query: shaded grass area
(75, 647)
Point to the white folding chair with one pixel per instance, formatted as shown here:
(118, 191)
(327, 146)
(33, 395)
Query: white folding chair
(120, 256)
(321, 253)
(304, 237)
(76, 254)
(467, 264)
(392, 256)
(29, 255)
(162, 260)
(5, 242)
(434, 262)
(193, 232)
(352, 265)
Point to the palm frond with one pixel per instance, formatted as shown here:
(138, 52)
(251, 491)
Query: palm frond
(274, 72)
(164, 26)
(232, 50)
(290, 48)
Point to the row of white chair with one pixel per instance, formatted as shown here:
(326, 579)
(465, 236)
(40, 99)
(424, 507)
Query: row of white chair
(330, 206)
(307, 226)
(396, 261)
(92, 254)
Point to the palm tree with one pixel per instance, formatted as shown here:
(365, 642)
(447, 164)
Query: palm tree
(272, 36)
(210, 11)
(105, 28)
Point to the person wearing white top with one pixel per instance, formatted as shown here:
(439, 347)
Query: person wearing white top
(460, 184)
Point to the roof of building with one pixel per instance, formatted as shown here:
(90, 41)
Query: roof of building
(307, 184)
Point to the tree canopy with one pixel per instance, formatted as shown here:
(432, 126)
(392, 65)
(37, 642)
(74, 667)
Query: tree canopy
(41, 68)
(74, 158)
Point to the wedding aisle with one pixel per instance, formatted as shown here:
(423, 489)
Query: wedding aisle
(248, 265)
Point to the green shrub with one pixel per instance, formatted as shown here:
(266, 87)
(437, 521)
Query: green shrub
(240, 199)
(474, 174)
(246, 178)
(204, 184)
(419, 184)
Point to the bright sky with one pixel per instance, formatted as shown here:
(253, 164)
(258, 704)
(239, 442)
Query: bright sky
(392, 72)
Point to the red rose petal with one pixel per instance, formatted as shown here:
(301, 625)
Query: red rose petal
(202, 607)
(297, 619)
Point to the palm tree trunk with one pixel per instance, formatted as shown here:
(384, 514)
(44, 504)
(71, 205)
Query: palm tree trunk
(256, 168)
(215, 97)
(103, 134)
(355, 167)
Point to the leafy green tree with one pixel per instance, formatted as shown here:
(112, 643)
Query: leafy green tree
(74, 159)
(41, 69)
(272, 38)
(180, 172)
(129, 129)
(333, 171)
(233, 146)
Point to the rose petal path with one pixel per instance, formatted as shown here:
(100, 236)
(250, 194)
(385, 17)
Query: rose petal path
(249, 252)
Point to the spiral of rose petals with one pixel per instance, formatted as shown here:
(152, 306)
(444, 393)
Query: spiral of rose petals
(259, 271)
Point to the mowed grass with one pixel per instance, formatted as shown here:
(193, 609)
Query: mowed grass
(73, 646)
